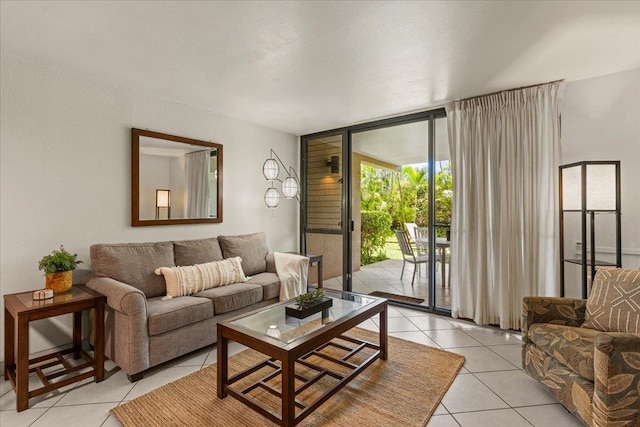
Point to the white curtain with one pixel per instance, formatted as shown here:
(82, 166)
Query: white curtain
(505, 150)
(197, 183)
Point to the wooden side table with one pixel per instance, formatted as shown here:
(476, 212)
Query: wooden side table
(19, 310)
(312, 260)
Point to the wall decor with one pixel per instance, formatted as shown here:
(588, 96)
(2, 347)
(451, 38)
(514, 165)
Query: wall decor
(180, 176)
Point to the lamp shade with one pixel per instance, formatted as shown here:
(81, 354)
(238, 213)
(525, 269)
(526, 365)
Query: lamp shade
(163, 198)
(270, 169)
(290, 187)
(272, 197)
(600, 185)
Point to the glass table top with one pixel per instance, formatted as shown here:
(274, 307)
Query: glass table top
(75, 294)
(273, 321)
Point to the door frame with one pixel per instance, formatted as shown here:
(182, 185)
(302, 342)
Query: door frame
(346, 227)
(347, 211)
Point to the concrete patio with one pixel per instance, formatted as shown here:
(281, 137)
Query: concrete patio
(384, 276)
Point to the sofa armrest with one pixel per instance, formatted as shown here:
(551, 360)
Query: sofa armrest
(617, 379)
(126, 324)
(121, 297)
(559, 311)
(271, 263)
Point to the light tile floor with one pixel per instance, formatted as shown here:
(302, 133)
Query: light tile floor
(491, 389)
(384, 276)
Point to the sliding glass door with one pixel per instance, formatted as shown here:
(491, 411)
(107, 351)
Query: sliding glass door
(324, 222)
(362, 183)
(442, 183)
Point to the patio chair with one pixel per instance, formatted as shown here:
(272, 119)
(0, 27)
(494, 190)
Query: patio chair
(408, 255)
(411, 228)
(421, 237)
(442, 246)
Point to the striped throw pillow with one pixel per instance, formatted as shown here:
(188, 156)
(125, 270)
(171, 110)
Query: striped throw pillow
(189, 280)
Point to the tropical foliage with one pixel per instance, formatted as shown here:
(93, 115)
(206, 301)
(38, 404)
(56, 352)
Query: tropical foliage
(404, 196)
(376, 227)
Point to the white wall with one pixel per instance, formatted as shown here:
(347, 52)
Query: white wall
(153, 175)
(601, 121)
(65, 173)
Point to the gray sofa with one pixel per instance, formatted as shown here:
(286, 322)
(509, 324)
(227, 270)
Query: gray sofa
(141, 328)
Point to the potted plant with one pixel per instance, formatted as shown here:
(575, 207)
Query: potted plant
(309, 299)
(309, 303)
(58, 267)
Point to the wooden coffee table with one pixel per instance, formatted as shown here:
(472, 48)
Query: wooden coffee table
(299, 340)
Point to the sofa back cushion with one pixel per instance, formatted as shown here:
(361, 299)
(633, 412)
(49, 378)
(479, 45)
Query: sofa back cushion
(200, 251)
(133, 264)
(252, 248)
(614, 302)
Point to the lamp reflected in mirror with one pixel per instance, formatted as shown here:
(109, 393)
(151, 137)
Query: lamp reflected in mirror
(163, 201)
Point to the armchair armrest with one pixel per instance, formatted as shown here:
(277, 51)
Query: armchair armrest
(617, 379)
(560, 311)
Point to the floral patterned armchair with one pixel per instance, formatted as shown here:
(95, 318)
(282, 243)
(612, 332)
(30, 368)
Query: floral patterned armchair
(587, 352)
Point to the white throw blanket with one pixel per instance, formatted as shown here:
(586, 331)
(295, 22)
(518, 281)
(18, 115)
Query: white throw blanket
(293, 271)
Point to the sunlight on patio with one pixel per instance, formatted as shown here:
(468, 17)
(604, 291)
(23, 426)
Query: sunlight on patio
(384, 276)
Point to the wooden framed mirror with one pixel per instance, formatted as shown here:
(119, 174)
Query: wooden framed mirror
(174, 180)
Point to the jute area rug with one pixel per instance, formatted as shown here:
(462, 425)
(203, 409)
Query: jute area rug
(403, 391)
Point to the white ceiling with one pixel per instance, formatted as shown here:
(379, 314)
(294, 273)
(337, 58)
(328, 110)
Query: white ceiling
(304, 66)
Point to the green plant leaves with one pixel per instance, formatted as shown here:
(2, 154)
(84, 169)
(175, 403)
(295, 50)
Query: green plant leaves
(58, 261)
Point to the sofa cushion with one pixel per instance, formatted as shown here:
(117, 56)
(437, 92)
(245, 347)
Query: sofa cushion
(252, 248)
(569, 345)
(232, 297)
(167, 315)
(270, 284)
(200, 251)
(133, 264)
(191, 279)
(614, 302)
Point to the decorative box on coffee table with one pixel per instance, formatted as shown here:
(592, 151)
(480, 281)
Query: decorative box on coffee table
(303, 312)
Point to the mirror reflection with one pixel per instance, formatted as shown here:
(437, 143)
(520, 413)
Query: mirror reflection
(176, 180)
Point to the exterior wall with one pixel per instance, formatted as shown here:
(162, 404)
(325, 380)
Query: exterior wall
(324, 187)
(324, 207)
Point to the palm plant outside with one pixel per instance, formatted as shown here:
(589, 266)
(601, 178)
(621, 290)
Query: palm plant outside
(403, 196)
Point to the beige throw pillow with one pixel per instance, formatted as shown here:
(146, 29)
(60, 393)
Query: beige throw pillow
(614, 302)
(182, 281)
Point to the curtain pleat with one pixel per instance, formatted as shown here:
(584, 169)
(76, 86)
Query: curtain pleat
(197, 183)
(505, 150)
